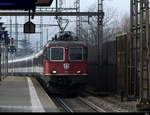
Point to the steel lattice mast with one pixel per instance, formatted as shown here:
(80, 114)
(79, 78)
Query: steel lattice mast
(100, 39)
(139, 47)
(78, 18)
(100, 31)
(133, 51)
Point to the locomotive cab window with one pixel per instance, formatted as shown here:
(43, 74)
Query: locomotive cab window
(57, 54)
(47, 53)
(85, 53)
(75, 54)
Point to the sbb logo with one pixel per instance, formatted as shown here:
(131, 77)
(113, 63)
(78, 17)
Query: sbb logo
(66, 66)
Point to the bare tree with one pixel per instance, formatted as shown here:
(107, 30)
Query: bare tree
(125, 23)
(89, 32)
(25, 48)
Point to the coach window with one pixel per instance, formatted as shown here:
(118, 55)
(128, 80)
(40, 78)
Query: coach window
(30, 63)
(47, 53)
(41, 60)
(36, 61)
(75, 54)
(57, 54)
(22, 64)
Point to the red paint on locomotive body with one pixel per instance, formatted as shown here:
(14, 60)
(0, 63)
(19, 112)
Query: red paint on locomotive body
(47, 66)
(59, 68)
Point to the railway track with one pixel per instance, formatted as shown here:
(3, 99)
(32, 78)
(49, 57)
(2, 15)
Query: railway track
(63, 105)
(92, 105)
(78, 104)
(110, 104)
(84, 103)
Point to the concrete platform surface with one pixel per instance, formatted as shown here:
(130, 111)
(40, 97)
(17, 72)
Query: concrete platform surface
(24, 94)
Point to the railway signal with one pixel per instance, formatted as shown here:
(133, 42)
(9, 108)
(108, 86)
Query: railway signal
(12, 41)
(12, 49)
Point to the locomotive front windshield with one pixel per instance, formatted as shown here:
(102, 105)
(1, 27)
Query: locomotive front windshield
(75, 54)
(57, 54)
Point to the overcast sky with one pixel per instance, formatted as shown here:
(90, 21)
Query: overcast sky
(121, 6)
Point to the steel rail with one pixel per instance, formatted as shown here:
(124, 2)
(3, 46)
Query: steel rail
(91, 105)
(62, 103)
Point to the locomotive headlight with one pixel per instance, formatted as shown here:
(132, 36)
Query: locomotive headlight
(78, 72)
(54, 72)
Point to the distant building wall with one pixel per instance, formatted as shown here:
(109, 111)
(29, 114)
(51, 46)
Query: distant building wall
(106, 82)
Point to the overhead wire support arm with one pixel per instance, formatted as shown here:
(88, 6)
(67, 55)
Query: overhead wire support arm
(53, 14)
(56, 7)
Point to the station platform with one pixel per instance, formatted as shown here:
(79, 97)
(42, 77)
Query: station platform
(24, 94)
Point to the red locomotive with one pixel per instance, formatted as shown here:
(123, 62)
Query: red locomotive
(59, 66)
